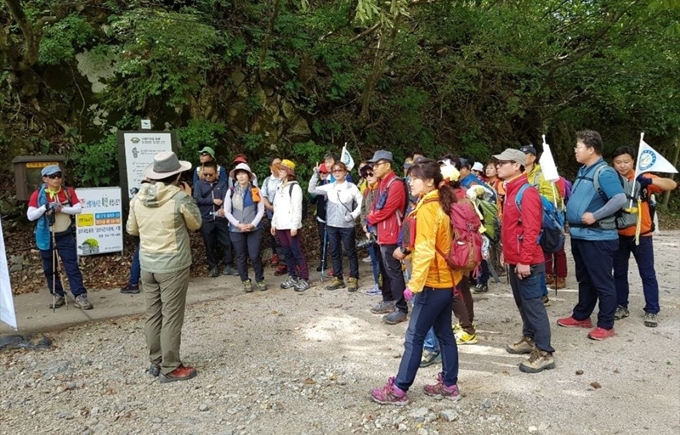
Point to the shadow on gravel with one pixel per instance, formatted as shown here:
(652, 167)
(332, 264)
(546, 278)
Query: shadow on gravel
(29, 342)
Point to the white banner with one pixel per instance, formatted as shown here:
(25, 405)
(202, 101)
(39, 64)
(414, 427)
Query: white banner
(547, 163)
(346, 158)
(140, 148)
(650, 161)
(7, 313)
(99, 228)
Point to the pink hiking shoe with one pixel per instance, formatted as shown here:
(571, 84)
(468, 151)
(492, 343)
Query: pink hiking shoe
(390, 394)
(439, 389)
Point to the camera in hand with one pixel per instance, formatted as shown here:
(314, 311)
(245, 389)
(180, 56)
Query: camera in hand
(367, 242)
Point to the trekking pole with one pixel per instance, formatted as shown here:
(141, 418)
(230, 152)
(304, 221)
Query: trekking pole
(323, 250)
(54, 271)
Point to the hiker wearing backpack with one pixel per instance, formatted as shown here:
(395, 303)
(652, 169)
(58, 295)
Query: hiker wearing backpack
(521, 231)
(594, 239)
(497, 185)
(489, 213)
(644, 186)
(557, 275)
(244, 209)
(286, 225)
(427, 233)
(386, 215)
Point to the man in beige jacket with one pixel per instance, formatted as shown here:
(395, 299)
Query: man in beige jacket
(160, 214)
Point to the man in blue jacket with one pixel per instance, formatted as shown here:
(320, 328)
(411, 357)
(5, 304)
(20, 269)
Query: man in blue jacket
(209, 193)
(594, 238)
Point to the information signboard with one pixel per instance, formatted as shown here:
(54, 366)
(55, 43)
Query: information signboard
(99, 228)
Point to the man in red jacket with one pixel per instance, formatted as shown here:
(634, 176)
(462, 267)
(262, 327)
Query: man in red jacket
(520, 232)
(386, 215)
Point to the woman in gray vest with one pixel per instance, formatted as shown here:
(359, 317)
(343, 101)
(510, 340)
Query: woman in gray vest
(244, 208)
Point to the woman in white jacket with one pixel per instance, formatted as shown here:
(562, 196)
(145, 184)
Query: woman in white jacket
(286, 223)
(342, 208)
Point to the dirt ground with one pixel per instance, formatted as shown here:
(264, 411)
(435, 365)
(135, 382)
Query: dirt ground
(278, 362)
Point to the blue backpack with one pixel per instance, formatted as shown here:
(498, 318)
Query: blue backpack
(551, 237)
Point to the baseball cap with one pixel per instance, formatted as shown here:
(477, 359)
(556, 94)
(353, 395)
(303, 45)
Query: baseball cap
(512, 155)
(381, 155)
(526, 149)
(49, 170)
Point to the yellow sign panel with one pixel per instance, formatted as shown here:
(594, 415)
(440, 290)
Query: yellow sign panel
(85, 220)
(40, 164)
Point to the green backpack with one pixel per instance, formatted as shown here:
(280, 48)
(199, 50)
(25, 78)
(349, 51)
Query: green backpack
(491, 221)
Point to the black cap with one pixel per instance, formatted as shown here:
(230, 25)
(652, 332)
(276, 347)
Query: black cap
(528, 149)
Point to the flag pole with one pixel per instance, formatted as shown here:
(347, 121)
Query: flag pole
(637, 165)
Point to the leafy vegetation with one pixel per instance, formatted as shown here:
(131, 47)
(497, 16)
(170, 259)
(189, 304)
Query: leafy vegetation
(296, 78)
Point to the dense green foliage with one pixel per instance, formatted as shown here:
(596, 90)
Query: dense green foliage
(299, 77)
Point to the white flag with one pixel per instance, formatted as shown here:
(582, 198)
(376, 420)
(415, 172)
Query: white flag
(649, 160)
(7, 313)
(346, 158)
(547, 163)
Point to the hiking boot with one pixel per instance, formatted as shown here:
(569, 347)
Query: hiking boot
(130, 289)
(465, 338)
(458, 328)
(439, 389)
(570, 322)
(546, 300)
(281, 270)
(430, 358)
(560, 283)
(229, 270)
(301, 285)
(394, 317)
(214, 273)
(650, 320)
(248, 286)
(352, 284)
(621, 313)
(390, 394)
(154, 370)
(600, 334)
(82, 302)
(275, 260)
(335, 284)
(289, 283)
(383, 307)
(549, 279)
(262, 286)
(524, 345)
(181, 373)
(538, 361)
(480, 288)
(58, 302)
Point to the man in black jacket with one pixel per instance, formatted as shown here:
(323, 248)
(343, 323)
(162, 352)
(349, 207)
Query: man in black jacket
(209, 194)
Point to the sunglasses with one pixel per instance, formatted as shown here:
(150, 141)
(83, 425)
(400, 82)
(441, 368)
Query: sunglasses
(337, 171)
(369, 174)
(205, 154)
(208, 174)
(55, 175)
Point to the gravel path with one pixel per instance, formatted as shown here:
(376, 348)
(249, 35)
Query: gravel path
(279, 362)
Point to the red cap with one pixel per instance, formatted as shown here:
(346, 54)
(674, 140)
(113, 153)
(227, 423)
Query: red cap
(323, 168)
(240, 158)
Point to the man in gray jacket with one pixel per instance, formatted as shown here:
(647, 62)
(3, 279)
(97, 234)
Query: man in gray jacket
(160, 215)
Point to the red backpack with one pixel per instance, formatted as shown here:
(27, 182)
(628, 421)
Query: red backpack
(466, 241)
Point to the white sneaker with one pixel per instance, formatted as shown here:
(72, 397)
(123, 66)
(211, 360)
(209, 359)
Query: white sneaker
(367, 260)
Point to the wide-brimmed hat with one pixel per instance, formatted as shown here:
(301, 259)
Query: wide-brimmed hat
(164, 165)
(49, 170)
(512, 155)
(241, 167)
(208, 150)
(288, 165)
